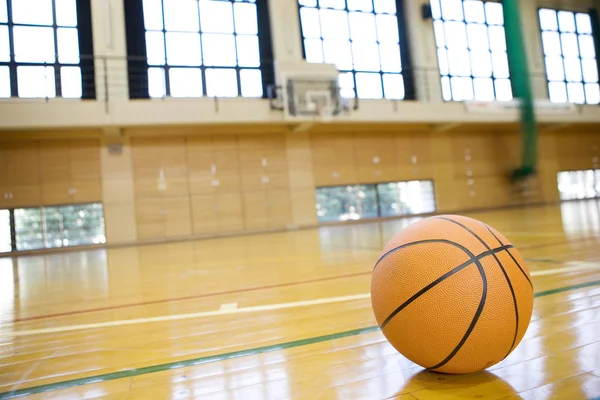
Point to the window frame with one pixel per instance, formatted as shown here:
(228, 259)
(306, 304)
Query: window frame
(595, 22)
(471, 77)
(407, 71)
(138, 66)
(86, 53)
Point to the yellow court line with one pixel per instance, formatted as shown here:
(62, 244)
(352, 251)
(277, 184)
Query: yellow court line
(229, 309)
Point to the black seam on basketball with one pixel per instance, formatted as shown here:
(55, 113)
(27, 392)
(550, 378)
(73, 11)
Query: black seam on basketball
(403, 246)
(511, 256)
(473, 259)
(473, 322)
(510, 286)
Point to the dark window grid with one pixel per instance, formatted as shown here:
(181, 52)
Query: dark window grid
(446, 48)
(354, 71)
(562, 54)
(13, 64)
(166, 67)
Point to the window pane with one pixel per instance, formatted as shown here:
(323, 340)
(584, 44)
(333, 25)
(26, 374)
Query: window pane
(5, 239)
(497, 38)
(181, 15)
(53, 220)
(393, 86)
(3, 11)
(153, 15)
(314, 50)
(248, 54)
(481, 64)
(32, 12)
(34, 44)
(551, 43)
(155, 48)
(28, 227)
(360, 5)
(554, 69)
(308, 3)
(346, 82)
(557, 92)
(4, 82)
(185, 82)
(309, 17)
(569, 45)
(592, 93)
(590, 70)
(548, 20)
(436, 10)
(346, 203)
(406, 198)
(83, 224)
(68, 45)
(362, 26)
(440, 36)
(216, 16)
(575, 92)
(566, 21)
(385, 6)
(446, 90)
(36, 82)
(452, 9)
(156, 82)
(573, 69)
(219, 49)
(339, 4)
(494, 14)
(500, 63)
(366, 56)
(390, 58)
(251, 82)
(221, 82)
(586, 46)
(484, 89)
(245, 18)
(368, 86)
(474, 11)
(70, 80)
(462, 89)
(334, 24)
(478, 37)
(503, 90)
(457, 33)
(443, 62)
(459, 62)
(584, 23)
(66, 12)
(338, 52)
(4, 47)
(387, 29)
(183, 48)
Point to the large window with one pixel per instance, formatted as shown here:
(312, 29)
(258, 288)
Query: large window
(364, 39)
(197, 48)
(570, 57)
(577, 185)
(50, 227)
(354, 202)
(471, 50)
(43, 44)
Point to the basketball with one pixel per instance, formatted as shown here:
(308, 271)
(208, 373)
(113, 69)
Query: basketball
(452, 294)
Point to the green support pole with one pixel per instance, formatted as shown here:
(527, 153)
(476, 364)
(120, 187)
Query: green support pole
(521, 86)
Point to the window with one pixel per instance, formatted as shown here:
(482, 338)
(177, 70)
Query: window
(365, 40)
(196, 48)
(354, 202)
(577, 185)
(46, 49)
(570, 57)
(5, 239)
(471, 48)
(62, 226)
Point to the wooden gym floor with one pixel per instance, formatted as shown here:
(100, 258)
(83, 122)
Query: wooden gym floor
(280, 316)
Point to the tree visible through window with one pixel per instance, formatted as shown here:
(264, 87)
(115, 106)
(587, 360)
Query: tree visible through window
(205, 47)
(363, 39)
(471, 50)
(570, 57)
(40, 49)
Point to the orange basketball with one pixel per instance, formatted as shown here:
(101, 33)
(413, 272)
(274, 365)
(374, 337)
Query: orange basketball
(452, 294)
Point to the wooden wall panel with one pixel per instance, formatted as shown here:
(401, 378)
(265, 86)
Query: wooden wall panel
(20, 174)
(376, 157)
(334, 159)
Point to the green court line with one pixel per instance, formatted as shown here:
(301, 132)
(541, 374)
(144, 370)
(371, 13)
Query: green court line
(227, 356)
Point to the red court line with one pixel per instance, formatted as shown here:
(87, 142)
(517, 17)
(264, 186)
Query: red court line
(200, 296)
(250, 289)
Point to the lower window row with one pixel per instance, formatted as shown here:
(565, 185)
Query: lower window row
(354, 202)
(51, 227)
(577, 185)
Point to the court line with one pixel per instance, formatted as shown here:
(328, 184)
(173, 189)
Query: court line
(231, 308)
(226, 356)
